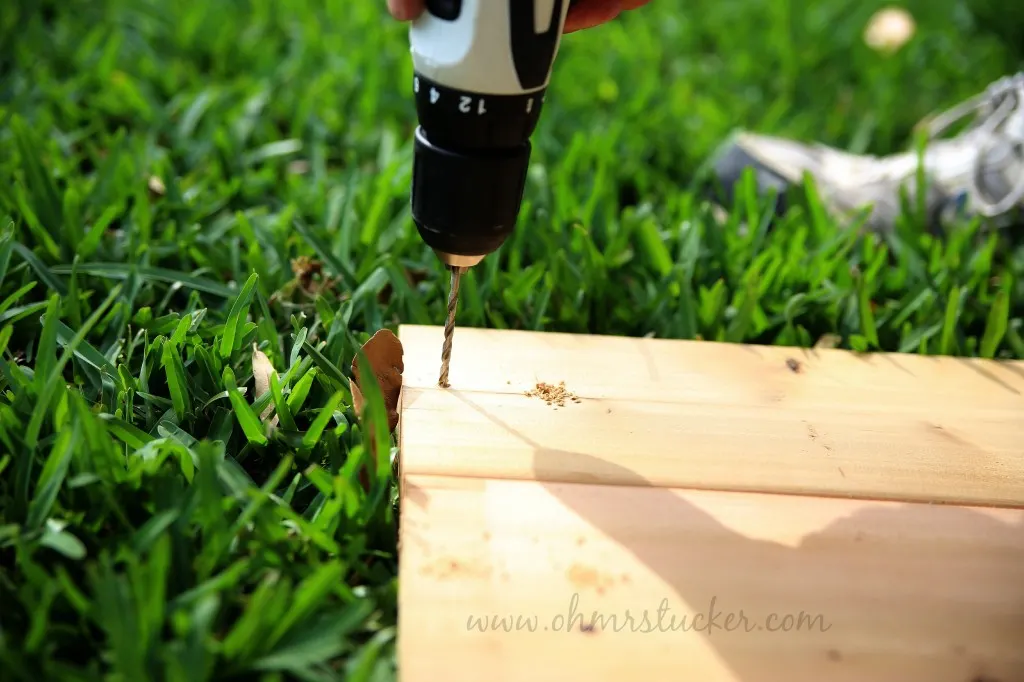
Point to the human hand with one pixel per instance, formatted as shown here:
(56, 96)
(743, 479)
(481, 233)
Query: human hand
(585, 14)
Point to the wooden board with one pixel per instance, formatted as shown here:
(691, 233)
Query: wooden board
(715, 416)
(692, 474)
(837, 590)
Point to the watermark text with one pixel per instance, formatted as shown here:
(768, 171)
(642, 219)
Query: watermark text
(661, 619)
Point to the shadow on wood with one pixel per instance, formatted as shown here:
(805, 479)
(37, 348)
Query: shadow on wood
(668, 583)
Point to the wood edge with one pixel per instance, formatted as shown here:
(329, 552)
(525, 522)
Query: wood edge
(822, 353)
(546, 463)
(404, 470)
(445, 481)
(779, 491)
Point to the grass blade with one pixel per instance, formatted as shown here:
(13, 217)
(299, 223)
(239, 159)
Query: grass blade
(325, 365)
(123, 271)
(247, 419)
(996, 325)
(949, 322)
(284, 413)
(237, 317)
(52, 477)
(54, 375)
(316, 429)
(177, 383)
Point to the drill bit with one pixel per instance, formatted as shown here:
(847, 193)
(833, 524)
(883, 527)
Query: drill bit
(449, 326)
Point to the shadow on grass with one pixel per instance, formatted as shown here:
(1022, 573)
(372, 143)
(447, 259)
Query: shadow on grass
(893, 575)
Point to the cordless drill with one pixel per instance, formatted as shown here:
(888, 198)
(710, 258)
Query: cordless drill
(481, 71)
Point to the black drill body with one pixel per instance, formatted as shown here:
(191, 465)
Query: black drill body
(472, 148)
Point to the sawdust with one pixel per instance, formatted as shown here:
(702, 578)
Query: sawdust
(553, 395)
(584, 577)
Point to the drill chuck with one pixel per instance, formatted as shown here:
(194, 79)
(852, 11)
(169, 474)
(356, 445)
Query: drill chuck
(481, 68)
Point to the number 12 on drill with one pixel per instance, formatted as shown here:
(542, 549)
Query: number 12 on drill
(465, 101)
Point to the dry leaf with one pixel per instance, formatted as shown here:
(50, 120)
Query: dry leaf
(357, 399)
(156, 186)
(828, 341)
(384, 353)
(261, 371)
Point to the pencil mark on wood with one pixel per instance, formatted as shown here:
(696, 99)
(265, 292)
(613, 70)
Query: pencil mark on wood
(947, 435)
(814, 436)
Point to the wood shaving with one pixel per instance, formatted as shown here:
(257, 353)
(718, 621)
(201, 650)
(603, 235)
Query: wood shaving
(553, 395)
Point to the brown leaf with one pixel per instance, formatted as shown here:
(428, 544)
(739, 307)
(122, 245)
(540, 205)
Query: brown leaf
(357, 399)
(385, 355)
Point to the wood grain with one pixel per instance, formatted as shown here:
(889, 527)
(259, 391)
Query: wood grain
(795, 488)
(831, 589)
(661, 370)
(716, 416)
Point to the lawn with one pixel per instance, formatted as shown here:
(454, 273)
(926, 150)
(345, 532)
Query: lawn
(182, 183)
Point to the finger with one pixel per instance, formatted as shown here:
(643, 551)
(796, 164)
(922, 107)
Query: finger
(405, 10)
(590, 13)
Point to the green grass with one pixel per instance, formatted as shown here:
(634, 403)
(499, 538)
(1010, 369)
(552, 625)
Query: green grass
(151, 527)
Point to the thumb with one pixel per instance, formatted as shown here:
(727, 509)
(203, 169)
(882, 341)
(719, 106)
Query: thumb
(405, 10)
